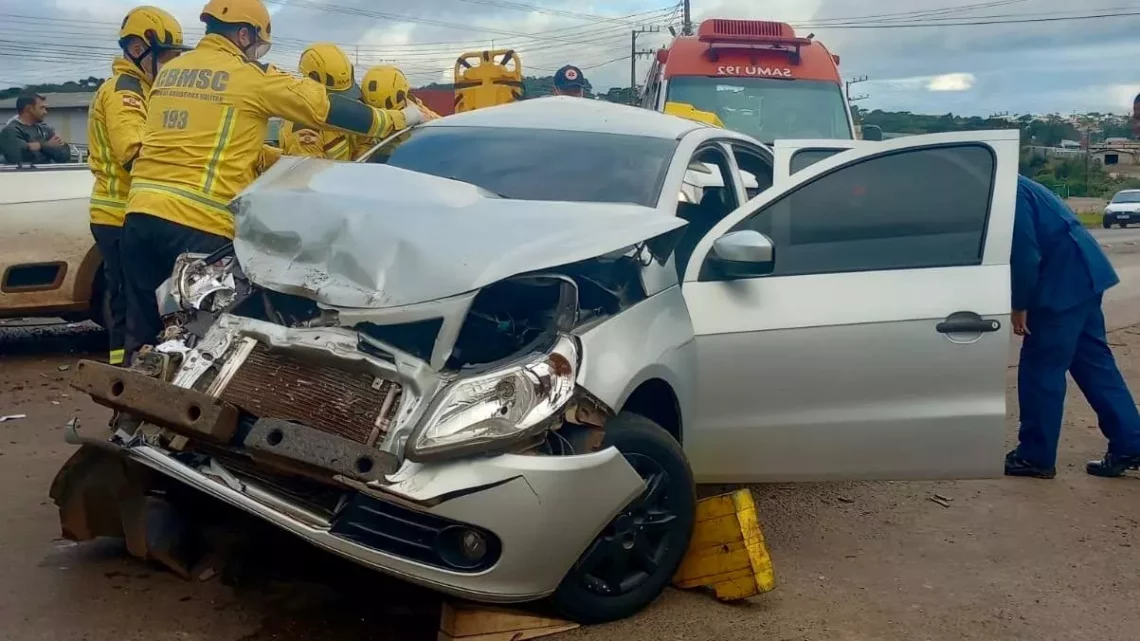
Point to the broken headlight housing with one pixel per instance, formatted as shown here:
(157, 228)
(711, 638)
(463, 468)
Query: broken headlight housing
(498, 409)
(203, 282)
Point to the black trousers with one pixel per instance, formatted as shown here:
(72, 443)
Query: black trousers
(149, 248)
(108, 239)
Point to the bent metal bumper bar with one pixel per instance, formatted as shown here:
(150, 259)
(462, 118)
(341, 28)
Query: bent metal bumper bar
(543, 511)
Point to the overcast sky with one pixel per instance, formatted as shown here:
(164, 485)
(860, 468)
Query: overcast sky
(1058, 64)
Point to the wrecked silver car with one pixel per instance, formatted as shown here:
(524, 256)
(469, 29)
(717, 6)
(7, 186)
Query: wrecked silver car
(470, 361)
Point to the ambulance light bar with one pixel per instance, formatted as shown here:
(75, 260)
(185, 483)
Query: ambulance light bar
(749, 33)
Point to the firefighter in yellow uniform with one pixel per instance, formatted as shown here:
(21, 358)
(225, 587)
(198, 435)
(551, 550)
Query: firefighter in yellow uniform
(208, 114)
(327, 64)
(386, 87)
(149, 37)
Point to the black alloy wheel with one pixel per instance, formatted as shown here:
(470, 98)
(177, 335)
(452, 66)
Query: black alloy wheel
(637, 553)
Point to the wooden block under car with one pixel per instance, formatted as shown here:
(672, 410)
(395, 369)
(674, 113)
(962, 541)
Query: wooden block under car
(728, 553)
(472, 622)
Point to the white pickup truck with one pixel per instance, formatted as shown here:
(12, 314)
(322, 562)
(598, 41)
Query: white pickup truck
(49, 265)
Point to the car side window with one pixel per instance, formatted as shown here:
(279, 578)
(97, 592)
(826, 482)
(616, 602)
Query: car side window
(912, 209)
(707, 196)
(755, 170)
(805, 158)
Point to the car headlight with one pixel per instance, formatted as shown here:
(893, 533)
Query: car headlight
(480, 413)
(199, 285)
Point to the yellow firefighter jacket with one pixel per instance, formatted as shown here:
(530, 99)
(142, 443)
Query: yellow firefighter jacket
(208, 113)
(363, 145)
(297, 140)
(115, 124)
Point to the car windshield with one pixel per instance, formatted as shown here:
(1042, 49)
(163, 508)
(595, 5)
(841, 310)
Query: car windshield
(1127, 197)
(768, 109)
(537, 164)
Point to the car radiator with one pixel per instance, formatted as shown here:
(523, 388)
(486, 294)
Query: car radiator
(353, 405)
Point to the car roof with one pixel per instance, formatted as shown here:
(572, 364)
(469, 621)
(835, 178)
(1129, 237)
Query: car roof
(565, 113)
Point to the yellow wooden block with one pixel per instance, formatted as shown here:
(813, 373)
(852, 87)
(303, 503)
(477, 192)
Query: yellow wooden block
(473, 622)
(727, 552)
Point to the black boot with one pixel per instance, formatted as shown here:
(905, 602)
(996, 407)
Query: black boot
(1113, 465)
(1017, 466)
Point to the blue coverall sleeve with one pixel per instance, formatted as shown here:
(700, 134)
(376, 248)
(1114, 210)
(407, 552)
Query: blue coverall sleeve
(1025, 254)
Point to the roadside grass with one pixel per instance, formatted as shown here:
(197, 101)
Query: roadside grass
(1091, 218)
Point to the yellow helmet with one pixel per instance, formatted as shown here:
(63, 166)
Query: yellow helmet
(327, 64)
(250, 12)
(157, 28)
(386, 87)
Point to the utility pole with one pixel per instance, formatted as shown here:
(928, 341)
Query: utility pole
(357, 55)
(633, 54)
(847, 88)
(687, 22)
(632, 67)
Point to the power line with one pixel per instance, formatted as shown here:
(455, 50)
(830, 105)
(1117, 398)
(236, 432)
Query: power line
(972, 23)
(197, 31)
(530, 8)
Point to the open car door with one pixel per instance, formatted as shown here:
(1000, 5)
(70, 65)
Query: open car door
(853, 322)
(790, 156)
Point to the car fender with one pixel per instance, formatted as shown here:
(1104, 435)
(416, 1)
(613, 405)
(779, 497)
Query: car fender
(651, 340)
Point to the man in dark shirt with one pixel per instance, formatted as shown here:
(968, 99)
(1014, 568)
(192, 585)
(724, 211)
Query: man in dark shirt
(1059, 276)
(26, 140)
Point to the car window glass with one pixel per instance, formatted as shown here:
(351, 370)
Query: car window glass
(807, 157)
(912, 209)
(537, 164)
(707, 198)
(755, 170)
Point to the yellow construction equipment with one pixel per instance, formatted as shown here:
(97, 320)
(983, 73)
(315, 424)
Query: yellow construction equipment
(496, 79)
(727, 553)
(685, 110)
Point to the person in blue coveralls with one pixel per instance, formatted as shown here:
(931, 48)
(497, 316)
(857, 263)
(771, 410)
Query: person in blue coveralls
(1059, 275)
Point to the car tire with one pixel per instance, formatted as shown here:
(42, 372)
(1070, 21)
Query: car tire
(643, 546)
(1107, 224)
(1123, 225)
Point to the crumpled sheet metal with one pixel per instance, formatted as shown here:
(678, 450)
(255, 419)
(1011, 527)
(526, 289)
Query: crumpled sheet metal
(372, 236)
(100, 494)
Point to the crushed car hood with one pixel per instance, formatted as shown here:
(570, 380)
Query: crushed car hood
(373, 236)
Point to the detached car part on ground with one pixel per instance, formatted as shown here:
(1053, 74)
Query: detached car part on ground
(483, 386)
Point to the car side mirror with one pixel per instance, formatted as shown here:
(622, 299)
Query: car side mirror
(743, 254)
(872, 132)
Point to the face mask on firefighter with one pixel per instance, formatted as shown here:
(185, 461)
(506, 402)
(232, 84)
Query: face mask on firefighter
(251, 45)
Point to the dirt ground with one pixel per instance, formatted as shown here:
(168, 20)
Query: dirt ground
(1008, 559)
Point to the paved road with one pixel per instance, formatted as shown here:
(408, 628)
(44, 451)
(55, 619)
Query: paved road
(1116, 237)
(1009, 559)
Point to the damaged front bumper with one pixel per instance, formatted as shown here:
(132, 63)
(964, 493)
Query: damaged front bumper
(502, 528)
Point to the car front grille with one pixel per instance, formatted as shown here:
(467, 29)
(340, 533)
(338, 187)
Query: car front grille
(274, 384)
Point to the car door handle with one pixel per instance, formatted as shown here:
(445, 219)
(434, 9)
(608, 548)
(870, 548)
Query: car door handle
(966, 323)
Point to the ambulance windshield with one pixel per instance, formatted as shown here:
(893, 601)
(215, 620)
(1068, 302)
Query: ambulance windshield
(768, 109)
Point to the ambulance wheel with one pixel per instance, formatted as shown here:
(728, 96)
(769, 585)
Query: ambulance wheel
(636, 555)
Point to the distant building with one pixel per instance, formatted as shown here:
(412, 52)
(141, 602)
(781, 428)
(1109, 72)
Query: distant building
(67, 114)
(1070, 144)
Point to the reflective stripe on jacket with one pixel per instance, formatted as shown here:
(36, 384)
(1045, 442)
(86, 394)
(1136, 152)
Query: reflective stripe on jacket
(209, 111)
(297, 140)
(116, 120)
